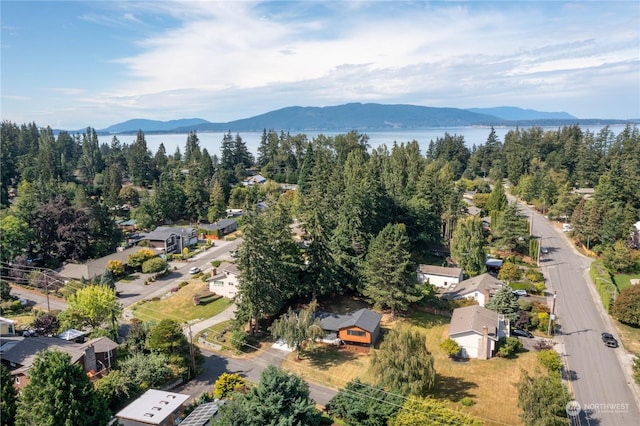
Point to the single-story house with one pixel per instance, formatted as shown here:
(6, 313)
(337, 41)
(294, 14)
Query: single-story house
(254, 180)
(224, 280)
(202, 414)
(96, 356)
(586, 193)
(477, 331)
(171, 239)
(361, 327)
(219, 228)
(94, 268)
(439, 276)
(480, 288)
(154, 407)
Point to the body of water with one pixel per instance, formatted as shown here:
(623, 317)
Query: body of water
(213, 140)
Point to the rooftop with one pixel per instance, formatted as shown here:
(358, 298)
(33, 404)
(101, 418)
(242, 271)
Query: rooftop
(153, 407)
(474, 319)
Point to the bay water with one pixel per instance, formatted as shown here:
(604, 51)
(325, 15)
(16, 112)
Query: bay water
(213, 140)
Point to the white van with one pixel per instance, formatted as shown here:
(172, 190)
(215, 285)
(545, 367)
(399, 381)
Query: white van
(566, 227)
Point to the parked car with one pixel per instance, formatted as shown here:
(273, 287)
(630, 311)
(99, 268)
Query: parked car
(521, 333)
(194, 270)
(519, 293)
(609, 340)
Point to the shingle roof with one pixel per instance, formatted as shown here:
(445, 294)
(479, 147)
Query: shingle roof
(442, 271)
(473, 319)
(479, 283)
(220, 224)
(362, 318)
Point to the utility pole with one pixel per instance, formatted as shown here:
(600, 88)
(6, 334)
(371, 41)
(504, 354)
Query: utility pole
(552, 316)
(193, 360)
(46, 287)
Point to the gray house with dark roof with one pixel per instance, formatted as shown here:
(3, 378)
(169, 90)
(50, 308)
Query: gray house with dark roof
(477, 330)
(361, 327)
(171, 239)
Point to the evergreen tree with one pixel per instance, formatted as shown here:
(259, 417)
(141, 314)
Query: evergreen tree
(279, 399)
(217, 205)
(363, 404)
(59, 393)
(388, 272)
(505, 303)
(8, 398)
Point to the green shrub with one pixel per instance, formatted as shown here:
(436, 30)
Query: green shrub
(507, 347)
(183, 284)
(216, 263)
(466, 401)
(636, 369)
(550, 359)
(534, 276)
(543, 321)
(239, 339)
(450, 346)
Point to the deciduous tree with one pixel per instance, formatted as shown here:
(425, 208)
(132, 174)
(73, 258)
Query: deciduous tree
(430, 412)
(59, 393)
(468, 245)
(543, 399)
(403, 363)
(92, 306)
(627, 306)
(227, 384)
(295, 328)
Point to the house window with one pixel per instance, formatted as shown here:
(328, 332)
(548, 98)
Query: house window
(356, 333)
(218, 283)
(17, 379)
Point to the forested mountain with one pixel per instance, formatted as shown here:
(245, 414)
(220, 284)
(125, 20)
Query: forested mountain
(362, 117)
(155, 125)
(61, 194)
(517, 114)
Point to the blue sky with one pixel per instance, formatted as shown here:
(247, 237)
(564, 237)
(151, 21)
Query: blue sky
(77, 64)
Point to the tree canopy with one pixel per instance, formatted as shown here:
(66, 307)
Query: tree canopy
(404, 364)
(59, 393)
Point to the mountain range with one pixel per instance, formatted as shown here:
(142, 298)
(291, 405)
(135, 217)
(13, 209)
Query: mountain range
(361, 117)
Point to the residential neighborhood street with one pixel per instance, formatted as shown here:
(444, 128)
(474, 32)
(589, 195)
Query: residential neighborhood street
(594, 372)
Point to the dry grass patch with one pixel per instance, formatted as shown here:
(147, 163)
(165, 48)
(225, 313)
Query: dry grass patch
(179, 306)
(630, 336)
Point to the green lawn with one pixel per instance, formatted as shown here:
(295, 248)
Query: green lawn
(179, 306)
(623, 281)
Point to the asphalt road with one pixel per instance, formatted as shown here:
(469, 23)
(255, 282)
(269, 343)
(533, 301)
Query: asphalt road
(594, 372)
(35, 298)
(135, 291)
(249, 368)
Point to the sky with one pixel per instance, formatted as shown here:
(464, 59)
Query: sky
(73, 64)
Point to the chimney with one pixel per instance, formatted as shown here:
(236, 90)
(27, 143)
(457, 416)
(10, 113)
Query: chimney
(486, 294)
(483, 350)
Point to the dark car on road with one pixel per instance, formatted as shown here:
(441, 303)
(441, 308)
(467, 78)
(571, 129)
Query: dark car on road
(521, 333)
(609, 340)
